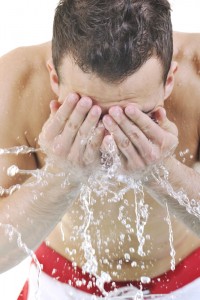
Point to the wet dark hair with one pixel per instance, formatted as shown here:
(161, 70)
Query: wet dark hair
(112, 38)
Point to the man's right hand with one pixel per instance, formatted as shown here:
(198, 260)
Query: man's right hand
(73, 133)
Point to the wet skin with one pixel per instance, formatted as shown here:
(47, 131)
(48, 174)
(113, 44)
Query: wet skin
(137, 136)
(127, 111)
(71, 119)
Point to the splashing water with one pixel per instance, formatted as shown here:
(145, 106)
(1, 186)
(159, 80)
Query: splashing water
(172, 251)
(141, 210)
(18, 150)
(10, 232)
(102, 184)
(91, 265)
(161, 176)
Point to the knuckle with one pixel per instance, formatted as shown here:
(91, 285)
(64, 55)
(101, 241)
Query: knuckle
(125, 143)
(152, 155)
(81, 132)
(146, 128)
(134, 135)
(72, 126)
(59, 118)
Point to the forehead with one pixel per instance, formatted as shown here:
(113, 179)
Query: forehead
(142, 83)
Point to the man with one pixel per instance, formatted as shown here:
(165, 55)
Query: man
(113, 78)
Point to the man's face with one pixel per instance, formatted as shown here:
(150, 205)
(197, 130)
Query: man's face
(144, 88)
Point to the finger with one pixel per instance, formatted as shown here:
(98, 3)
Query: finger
(135, 135)
(86, 130)
(110, 152)
(76, 120)
(54, 106)
(109, 145)
(151, 130)
(92, 150)
(123, 142)
(161, 117)
(58, 121)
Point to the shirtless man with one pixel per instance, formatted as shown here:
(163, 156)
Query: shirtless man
(105, 74)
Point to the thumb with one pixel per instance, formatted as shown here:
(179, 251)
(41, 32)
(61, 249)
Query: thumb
(54, 106)
(160, 116)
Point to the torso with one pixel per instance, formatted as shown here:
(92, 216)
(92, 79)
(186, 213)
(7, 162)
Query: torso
(183, 108)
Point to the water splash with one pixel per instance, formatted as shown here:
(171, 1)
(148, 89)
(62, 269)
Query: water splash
(141, 211)
(102, 184)
(10, 231)
(161, 176)
(91, 265)
(18, 150)
(172, 251)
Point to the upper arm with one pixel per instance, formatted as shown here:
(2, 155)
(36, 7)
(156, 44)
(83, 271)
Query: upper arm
(13, 124)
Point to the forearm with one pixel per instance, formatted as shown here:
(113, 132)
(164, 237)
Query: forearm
(66, 140)
(33, 211)
(180, 189)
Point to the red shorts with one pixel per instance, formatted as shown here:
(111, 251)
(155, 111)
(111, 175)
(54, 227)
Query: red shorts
(62, 270)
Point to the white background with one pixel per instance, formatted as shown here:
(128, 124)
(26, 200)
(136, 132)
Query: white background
(28, 22)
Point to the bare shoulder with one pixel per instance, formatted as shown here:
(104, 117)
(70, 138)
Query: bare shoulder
(23, 81)
(184, 104)
(187, 49)
(18, 67)
(186, 43)
(187, 54)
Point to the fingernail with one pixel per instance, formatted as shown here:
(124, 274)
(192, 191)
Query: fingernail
(72, 97)
(96, 111)
(85, 102)
(107, 120)
(115, 111)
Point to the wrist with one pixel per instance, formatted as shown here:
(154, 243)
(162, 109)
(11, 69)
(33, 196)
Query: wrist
(164, 170)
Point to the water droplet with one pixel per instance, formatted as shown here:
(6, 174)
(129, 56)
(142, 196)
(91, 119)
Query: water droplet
(74, 264)
(12, 170)
(127, 257)
(134, 264)
(145, 279)
(132, 250)
(148, 237)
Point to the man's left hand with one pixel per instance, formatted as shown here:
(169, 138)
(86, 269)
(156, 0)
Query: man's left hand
(141, 139)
